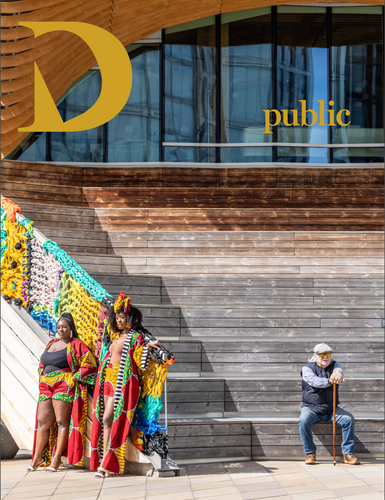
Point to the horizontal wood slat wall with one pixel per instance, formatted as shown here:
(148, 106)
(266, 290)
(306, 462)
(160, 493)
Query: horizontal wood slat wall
(207, 199)
(192, 177)
(187, 397)
(239, 220)
(62, 58)
(202, 439)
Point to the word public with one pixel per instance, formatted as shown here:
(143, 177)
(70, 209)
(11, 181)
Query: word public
(313, 116)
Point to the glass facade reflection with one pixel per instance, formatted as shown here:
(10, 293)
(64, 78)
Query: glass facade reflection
(209, 82)
(357, 82)
(301, 75)
(190, 89)
(246, 83)
(85, 146)
(134, 134)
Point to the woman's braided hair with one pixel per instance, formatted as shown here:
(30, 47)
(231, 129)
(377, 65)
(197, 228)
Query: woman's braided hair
(67, 317)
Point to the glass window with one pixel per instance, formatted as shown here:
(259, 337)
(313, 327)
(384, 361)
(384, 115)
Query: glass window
(87, 145)
(302, 68)
(133, 135)
(190, 89)
(357, 81)
(246, 80)
(33, 149)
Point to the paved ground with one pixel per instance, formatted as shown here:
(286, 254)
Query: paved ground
(273, 480)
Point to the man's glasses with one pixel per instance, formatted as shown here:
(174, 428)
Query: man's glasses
(327, 354)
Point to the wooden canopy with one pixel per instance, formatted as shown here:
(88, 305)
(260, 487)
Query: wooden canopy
(62, 57)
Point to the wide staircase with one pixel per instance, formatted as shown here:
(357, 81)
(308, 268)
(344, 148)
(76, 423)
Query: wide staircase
(239, 272)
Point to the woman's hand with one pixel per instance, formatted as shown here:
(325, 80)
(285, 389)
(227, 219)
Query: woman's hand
(154, 343)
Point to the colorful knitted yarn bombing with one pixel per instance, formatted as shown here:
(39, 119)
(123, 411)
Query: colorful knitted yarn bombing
(14, 269)
(85, 311)
(150, 402)
(101, 326)
(28, 225)
(11, 208)
(44, 316)
(74, 270)
(3, 233)
(63, 303)
(45, 276)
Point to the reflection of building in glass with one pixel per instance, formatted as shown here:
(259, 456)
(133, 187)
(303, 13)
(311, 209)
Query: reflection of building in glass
(295, 82)
(190, 91)
(208, 82)
(357, 84)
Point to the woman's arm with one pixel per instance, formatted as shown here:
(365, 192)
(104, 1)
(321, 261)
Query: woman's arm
(86, 363)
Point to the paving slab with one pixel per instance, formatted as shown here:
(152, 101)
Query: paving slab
(253, 480)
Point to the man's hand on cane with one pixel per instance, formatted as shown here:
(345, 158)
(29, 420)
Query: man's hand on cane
(336, 378)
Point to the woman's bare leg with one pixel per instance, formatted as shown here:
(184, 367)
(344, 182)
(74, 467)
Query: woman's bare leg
(62, 411)
(107, 422)
(45, 420)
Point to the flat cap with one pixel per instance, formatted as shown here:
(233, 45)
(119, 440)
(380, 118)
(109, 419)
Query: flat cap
(320, 348)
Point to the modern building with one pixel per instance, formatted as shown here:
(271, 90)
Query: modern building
(200, 90)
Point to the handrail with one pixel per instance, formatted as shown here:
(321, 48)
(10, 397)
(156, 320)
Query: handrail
(37, 234)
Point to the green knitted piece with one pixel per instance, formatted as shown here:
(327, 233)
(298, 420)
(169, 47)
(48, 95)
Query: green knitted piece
(64, 302)
(74, 270)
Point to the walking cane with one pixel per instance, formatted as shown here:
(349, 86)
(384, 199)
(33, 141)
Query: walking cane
(334, 423)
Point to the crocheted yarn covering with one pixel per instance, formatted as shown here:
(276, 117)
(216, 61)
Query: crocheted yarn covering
(84, 309)
(28, 225)
(45, 277)
(150, 401)
(101, 326)
(74, 270)
(3, 233)
(11, 209)
(14, 268)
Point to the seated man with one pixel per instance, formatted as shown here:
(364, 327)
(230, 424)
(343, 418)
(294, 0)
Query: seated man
(318, 377)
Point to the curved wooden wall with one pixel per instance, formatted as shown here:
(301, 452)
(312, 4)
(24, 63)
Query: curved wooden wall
(128, 20)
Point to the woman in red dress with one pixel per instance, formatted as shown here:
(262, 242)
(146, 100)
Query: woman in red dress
(67, 367)
(117, 388)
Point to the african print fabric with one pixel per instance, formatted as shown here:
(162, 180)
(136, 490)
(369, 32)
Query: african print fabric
(135, 352)
(83, 368)
(57, 385)
(111, 380)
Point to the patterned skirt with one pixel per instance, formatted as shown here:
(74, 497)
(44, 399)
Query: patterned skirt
(58, 385)
(111, 380)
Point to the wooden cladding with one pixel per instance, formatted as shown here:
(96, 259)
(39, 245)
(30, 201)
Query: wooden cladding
(62, 58)
(206, 199)
(190, 177)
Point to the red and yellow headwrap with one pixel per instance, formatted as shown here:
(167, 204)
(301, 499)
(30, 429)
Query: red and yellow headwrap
(122, 303)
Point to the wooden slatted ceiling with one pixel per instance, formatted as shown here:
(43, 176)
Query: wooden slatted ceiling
(127, 20)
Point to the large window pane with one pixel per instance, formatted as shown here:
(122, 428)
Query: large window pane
(33, 149)
(87, 145)
(301, 75)
(190, 87)
(133, 135)
(246, 73)
(357, 81)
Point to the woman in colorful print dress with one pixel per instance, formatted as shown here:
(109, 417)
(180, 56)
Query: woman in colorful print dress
(66, 368)
(117, 387)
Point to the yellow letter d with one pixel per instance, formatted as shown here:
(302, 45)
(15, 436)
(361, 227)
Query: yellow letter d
(116, 73)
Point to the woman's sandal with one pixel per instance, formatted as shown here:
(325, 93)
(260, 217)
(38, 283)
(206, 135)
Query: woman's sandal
(31, 468)
(101, 473)
(52, 469)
